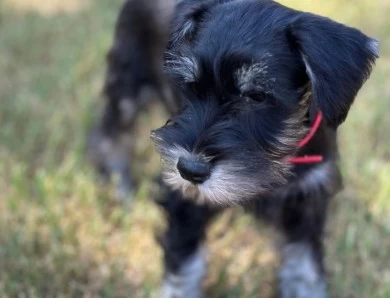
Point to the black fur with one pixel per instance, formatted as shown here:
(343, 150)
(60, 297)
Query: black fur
(340, 59)
(251, 75)
(254, 124)
(187, 223)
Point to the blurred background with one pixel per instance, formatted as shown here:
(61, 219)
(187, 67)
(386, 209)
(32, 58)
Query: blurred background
(61, 235)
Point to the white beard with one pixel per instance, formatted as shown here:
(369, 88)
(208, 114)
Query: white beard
(226, 185)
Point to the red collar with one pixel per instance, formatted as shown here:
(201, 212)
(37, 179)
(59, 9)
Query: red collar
(309, 159)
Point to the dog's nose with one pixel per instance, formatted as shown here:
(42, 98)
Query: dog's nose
(195, 171)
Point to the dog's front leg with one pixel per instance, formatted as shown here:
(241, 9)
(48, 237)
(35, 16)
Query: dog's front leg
(183, 246)
(302, 220)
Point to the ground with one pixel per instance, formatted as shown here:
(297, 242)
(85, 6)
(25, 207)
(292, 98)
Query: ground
(61, 235)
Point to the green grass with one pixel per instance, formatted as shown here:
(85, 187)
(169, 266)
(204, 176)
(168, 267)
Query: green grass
(62, 236)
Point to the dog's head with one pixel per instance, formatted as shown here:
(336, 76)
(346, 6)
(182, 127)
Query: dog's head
(250, 72)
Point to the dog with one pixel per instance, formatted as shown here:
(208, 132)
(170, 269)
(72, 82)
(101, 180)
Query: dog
(262, 90)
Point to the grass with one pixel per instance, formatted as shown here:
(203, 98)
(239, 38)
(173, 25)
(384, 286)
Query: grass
(63, 236)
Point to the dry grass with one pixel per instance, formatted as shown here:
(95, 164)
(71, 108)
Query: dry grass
(48, 7)
(61, 236)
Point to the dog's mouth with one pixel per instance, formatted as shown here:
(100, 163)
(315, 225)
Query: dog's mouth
(223, 184)
(226, 182)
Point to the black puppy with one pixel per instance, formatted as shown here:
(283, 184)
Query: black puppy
(263, 90)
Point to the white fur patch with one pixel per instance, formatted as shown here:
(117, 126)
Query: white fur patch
(319, 175)
(299, 275)
(226, 184)
(187, 283)
(324, 175)
(187, 28)
(373, 46)
(290, 134)
(127, 109)
(254, 77)
(112, 155)
(185, 67)
(309, 71)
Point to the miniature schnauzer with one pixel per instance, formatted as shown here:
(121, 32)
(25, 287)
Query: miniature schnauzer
(263, 89)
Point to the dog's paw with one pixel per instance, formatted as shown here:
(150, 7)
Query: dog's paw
(172, 290)
(110, 157)
(299, 276)
(186, 282)
(124, 187)
(303, 289)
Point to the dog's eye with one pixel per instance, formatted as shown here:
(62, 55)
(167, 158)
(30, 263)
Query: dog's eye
(257, 97)
(191, 85)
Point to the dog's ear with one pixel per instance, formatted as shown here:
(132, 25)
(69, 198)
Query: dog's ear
(338, 61)
(188, 14)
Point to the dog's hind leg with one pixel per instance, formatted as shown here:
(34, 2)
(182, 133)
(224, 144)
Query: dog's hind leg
(111, 155)
(134, 80)
(183, 245)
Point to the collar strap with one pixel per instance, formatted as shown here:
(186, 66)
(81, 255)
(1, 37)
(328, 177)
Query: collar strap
(309, 159)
